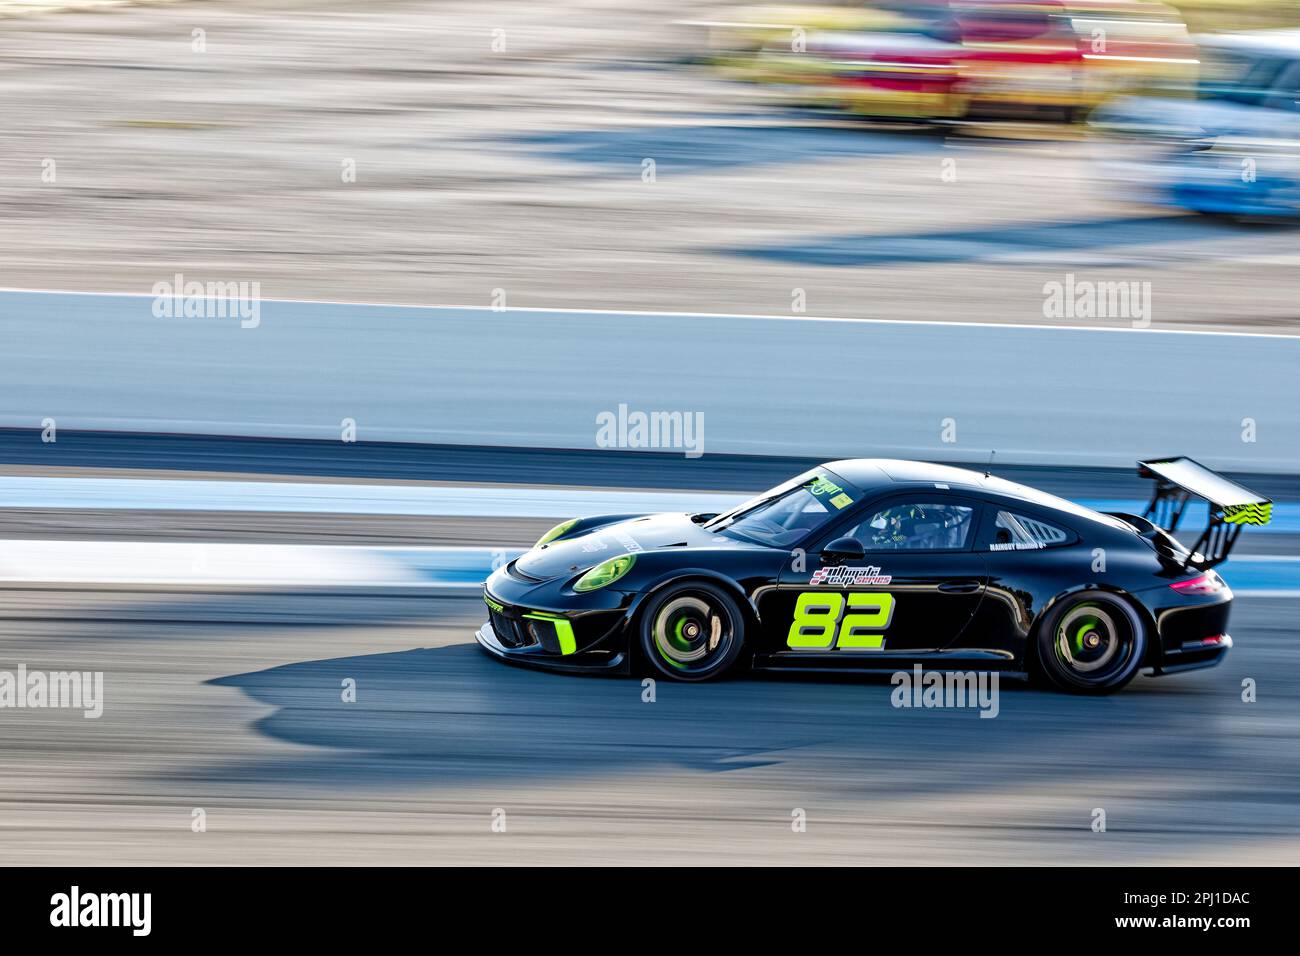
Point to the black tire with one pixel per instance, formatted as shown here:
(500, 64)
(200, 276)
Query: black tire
(691, 631)
(1091, 643)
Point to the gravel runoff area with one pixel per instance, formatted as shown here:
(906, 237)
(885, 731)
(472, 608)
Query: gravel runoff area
(387, 153)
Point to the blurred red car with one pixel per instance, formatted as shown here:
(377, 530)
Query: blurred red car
(998, 58)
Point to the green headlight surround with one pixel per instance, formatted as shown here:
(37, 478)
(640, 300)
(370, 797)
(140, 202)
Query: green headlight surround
(607, 572)
(555, 532)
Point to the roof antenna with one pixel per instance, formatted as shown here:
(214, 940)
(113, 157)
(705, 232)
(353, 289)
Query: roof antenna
(988, 470)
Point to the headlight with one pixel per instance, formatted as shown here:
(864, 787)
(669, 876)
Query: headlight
(555, 532)
(607, 572)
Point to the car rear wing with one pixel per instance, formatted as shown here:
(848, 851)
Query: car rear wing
(1231, 507)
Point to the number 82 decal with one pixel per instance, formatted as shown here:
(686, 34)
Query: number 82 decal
(821, 622)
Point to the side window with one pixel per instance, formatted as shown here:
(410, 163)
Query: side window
(1285, 90)
(1257, 82)
(916, 526)
(1013, 532)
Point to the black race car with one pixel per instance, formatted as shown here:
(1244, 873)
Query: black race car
(875, 564)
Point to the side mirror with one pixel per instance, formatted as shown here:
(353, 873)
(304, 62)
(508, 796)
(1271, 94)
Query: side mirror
(843, 549)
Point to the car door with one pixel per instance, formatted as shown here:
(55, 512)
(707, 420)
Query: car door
(916, 588)
(1028, 554)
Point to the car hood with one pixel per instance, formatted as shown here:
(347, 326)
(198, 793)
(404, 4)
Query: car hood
(569, 556)
(1193, 119)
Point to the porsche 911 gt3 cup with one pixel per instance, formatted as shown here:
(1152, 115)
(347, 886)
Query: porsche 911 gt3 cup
(874, 564)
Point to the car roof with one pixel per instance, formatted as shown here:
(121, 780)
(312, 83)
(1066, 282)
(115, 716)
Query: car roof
(875, 475)
(1260, 42)
(871, 474)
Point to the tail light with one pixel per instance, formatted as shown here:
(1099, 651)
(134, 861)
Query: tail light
(1207, 583)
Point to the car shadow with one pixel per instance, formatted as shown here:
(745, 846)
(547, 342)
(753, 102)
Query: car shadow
(451, 715)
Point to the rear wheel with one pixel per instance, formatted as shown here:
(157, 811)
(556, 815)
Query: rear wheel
(692, 631)
(1092, 643)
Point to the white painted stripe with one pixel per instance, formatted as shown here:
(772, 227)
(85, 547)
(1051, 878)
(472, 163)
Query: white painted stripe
(209, 565)
(606, 314)
(27, 7)
(168, 494)
(206, 564)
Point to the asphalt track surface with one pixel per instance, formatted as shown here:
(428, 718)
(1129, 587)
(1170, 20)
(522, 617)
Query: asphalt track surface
(519, 378)
(168, 455)
(230, 702)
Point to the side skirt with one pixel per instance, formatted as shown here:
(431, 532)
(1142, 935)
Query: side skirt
(874, 663)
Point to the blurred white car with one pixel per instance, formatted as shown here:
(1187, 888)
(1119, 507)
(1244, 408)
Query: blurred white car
(1234, 149)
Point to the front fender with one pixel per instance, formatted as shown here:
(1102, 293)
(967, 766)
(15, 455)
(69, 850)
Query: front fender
(672, 576)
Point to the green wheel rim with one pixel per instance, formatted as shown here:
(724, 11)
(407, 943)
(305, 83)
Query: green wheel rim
(1084, 629)
(1093, 641)
(691, 632)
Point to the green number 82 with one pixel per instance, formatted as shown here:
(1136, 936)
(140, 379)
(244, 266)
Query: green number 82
(820, 622)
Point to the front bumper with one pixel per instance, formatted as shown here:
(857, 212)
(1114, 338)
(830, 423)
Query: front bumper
(539, 625)
(593, 660)
(1227, 195)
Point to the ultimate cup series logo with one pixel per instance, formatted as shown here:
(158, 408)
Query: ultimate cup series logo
(842, 576)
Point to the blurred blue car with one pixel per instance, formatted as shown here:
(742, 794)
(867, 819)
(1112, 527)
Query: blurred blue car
(1234, 150)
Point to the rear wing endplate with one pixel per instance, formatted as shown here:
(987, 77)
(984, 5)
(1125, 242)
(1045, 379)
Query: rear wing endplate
(1232, 507)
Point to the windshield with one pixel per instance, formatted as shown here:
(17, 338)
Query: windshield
(1238, 77)
(790, 512)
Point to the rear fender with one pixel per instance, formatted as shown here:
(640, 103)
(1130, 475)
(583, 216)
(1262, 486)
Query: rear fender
(1152, 651)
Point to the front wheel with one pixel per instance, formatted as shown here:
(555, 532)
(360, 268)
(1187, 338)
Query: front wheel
(1092, 643)
(692, 631)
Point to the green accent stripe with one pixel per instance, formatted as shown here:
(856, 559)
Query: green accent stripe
(563, 631)
(559, 531)
(1259, 514)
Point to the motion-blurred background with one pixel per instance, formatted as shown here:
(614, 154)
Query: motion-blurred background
(1059, 234)
(431, 152)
